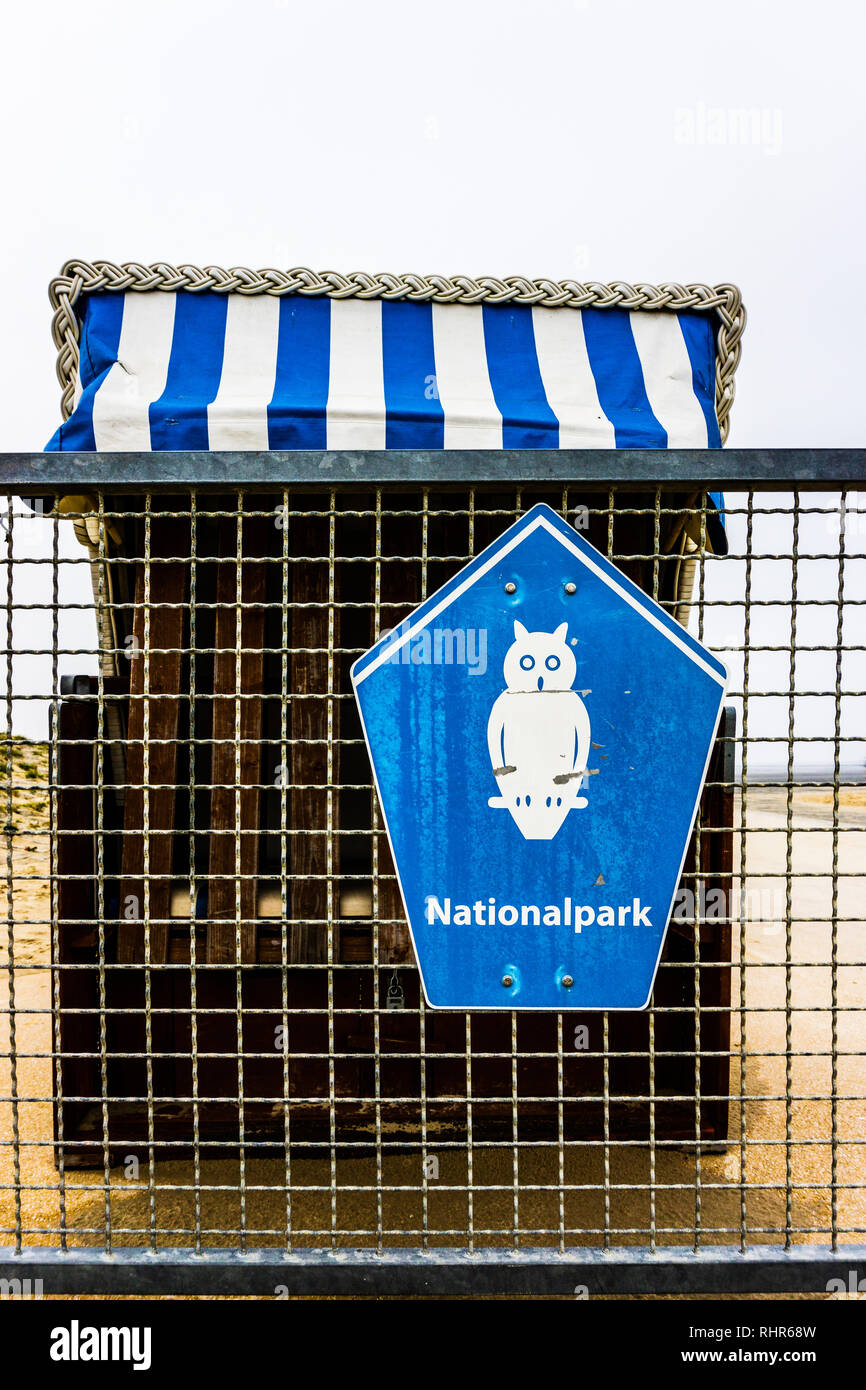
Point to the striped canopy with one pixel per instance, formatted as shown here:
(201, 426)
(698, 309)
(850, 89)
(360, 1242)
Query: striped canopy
(180, 370)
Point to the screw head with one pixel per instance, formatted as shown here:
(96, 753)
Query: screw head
(507, 981)
(571, 587)
(511, 587)
(567, 981)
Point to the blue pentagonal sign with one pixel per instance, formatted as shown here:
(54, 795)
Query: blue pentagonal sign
(539, 731)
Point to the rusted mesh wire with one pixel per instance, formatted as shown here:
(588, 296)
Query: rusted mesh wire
(211, 1029)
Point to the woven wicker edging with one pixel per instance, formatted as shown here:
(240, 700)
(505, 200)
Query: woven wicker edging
(79, 278)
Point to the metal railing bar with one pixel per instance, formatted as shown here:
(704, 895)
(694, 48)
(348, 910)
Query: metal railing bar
(770, 469)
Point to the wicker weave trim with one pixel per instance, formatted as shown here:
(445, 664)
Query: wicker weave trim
(88, 277)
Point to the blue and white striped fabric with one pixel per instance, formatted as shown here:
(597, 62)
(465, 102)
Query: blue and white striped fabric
(210, 371)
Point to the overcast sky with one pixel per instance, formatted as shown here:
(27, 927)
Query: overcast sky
(595, 139)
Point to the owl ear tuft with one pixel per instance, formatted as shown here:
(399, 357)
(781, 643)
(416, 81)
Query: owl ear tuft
(560, 632)
(519, 629)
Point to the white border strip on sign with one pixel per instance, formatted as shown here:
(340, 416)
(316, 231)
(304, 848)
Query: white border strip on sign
(388, 650)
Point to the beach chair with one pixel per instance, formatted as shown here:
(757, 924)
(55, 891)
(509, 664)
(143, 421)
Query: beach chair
(223, 867)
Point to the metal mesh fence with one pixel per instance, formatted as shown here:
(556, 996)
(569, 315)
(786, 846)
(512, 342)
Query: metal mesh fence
(212, 1033)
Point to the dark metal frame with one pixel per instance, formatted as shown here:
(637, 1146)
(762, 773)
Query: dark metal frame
(760, 468)
(801, 1268)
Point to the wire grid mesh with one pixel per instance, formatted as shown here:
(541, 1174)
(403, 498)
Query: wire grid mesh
(212, 1032)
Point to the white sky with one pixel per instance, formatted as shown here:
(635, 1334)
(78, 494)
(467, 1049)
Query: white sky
(568, 138)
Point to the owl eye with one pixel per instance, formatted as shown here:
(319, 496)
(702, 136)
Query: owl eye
(527, 662)
(552, 663)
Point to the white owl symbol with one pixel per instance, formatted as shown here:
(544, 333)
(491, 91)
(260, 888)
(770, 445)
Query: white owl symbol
(538, 734)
